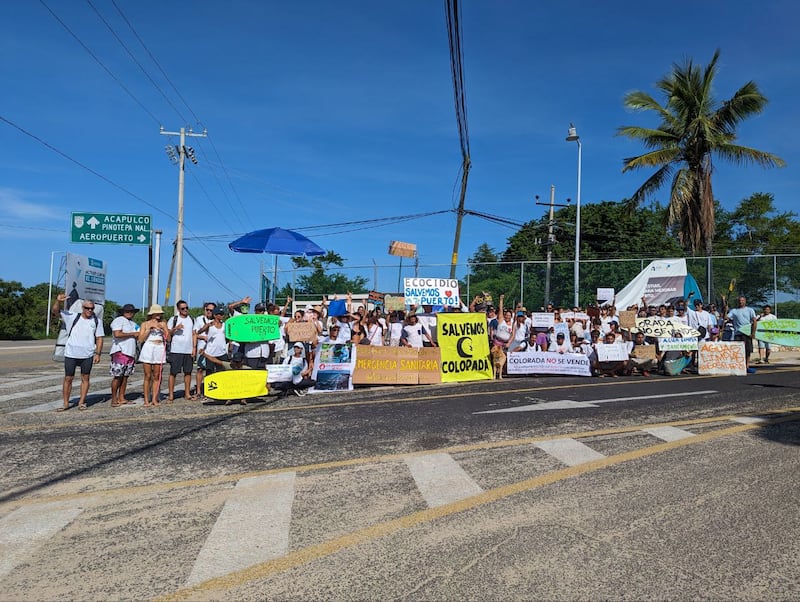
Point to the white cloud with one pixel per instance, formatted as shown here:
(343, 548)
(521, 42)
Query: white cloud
(15, 207)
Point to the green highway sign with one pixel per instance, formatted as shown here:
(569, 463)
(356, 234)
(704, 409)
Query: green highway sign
(111, 228)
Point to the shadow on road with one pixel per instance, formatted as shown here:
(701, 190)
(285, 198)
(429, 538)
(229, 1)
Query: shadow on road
(53, 479)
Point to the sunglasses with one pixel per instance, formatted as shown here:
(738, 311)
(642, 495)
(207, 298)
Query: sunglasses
(182, 308)
(89, 308)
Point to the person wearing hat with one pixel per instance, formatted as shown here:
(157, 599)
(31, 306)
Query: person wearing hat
(123, 353)
(301, 372)
(562, 345)
(154, 336)
(83, 347)
(255, 355)
(216, 349)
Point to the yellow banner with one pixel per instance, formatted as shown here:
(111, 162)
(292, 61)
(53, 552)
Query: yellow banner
(464, 344)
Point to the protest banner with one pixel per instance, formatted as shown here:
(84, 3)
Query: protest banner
(718, 357)
(333, 367)
(396, 366)
(251, 328)
(464, 346)
(677, 344)
(543, 320)
(544, 362)
(301, 331)
(627, 319)
(376, 298)
(664, 327)
(432, 291)
(612, 352)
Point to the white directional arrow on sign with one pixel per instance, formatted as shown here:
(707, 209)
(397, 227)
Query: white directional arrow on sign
(93, 222)
(142, 238)
(568, 404)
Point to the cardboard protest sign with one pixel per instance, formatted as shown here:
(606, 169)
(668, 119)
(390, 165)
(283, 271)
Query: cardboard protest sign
(394, 303)
(432, 291)
(677, 344)
(396, 365)
(627, 319)
(664, 327)
(301, 331)
(545, 362)
(376, 298)
(644, 352)
(464, 345)
(722, 358)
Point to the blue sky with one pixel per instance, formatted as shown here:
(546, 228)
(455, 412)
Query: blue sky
(326, 112)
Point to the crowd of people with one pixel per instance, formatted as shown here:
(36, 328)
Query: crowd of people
(184, 345)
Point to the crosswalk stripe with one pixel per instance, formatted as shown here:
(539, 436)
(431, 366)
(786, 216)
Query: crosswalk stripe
(440, 479)
(52, 405)
(253, 527)
(25, 529)
(76, 382)
(668, 433)
(569, 451)
(23, 382)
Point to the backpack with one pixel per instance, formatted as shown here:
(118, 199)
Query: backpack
(63, 335)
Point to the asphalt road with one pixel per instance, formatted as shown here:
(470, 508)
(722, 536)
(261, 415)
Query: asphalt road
(529, 488)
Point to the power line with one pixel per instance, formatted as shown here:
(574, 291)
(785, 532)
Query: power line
(99, 62)
(135, 60)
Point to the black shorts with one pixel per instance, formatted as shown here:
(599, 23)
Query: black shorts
(70, 363)
(212, 367)
(256, 363)
(748, 343)
(180, 362)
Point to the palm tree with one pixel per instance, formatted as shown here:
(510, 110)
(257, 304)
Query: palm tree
(694, 127)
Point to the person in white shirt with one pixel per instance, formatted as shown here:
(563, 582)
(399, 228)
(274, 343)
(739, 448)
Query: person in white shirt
(414, 333)
(201, 339)
(123, 353)
(154, 336)
(561, 345)
(699, 317)
(765, 316)
(182, 349)
(84, 347)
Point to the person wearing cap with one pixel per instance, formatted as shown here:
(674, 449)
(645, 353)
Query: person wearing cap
(123, 353)
(562, 345)
(242, 306)
(154, 337)
(519, 333)
(201, 338)
(255, 355)
(301, 372)
(83, 347)
(216, 350)
(766, 315)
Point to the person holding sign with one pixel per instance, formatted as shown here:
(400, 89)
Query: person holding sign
(744, 318)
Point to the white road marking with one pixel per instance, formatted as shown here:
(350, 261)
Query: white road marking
(440, 479)
(21, 382)
(26, 529)
(253, 527)
(749, 420)
(668, 433)
(566, 404)
(569, 451)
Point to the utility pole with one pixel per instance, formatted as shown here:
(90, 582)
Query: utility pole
(155, 262)
(460, 215)
(550, 242)
(182, 152)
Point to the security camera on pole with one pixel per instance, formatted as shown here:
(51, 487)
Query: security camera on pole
(183, 151)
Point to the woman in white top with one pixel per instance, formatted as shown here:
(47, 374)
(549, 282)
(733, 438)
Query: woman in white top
(154, 336)
(374, 331)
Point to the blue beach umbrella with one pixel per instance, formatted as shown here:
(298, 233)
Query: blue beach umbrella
(276, 241)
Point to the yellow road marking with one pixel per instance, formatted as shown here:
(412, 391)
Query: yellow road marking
(315, 552)
(140, 490)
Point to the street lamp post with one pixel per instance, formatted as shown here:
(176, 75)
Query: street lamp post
(572, 136)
